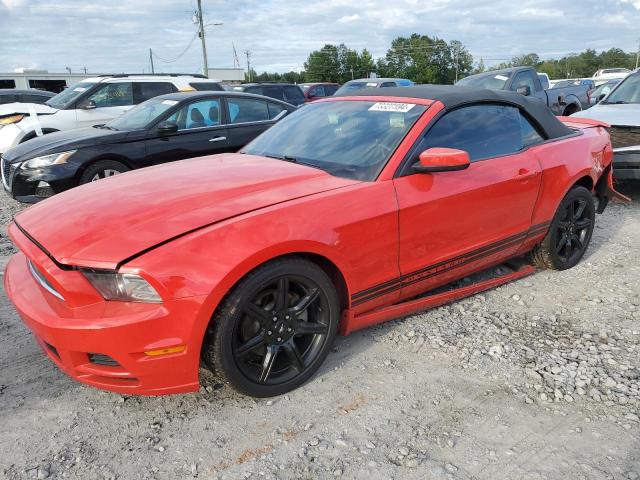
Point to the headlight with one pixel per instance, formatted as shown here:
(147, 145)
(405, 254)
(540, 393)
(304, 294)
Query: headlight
(47, 160)
(124, 287)
(11, 119)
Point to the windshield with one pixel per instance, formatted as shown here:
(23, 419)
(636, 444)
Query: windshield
(142, 115)
(628, 91)
(492, 81)
(346, 139)
(352, 86)
(69, 95)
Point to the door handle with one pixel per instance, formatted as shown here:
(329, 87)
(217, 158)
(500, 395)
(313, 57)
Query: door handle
(218, 139)
(525, 173)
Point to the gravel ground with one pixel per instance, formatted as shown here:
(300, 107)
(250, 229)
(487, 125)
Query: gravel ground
(538, 379)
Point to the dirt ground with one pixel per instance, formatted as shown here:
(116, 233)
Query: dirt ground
(538, 379)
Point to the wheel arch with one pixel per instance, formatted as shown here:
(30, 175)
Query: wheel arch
(232, 279)
(33, 134)
(116, 158)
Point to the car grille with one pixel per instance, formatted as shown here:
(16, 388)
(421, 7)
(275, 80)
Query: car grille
(7, 170)
(624, 136)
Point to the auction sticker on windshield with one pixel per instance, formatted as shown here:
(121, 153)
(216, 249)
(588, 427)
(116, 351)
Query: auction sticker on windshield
(391, 107)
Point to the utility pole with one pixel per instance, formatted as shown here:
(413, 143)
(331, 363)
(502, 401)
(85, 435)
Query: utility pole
(85, 69)
(638, 54)
(151, 60)
(204, 45)
(248, 54)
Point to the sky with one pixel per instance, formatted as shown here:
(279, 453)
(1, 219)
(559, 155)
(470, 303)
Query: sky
(115, 36)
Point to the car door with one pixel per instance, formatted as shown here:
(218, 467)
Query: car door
(106, 102)
(248, 118)
(201, 131)
(470, 218)
(528, 79)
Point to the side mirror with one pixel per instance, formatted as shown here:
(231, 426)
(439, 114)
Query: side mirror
(441, 160)
(90, 105)
(166, 128)
(524, 90)
(601, 97)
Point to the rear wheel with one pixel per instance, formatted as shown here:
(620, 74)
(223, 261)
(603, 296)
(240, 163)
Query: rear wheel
(102, 169)
(274, 329)
(570, 232)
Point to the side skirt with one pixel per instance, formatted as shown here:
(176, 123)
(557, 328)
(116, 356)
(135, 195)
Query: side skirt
(351, 323)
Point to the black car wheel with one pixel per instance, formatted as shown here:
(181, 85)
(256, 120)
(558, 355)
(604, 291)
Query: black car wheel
(570, 232)
(102, 169)
(274, 329)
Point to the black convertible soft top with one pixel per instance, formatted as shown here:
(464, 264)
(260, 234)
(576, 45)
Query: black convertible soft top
(453, 96)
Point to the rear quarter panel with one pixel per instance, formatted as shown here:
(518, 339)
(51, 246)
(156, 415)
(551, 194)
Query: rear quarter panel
(564, 163)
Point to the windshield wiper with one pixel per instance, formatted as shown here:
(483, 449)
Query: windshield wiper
(286, 158)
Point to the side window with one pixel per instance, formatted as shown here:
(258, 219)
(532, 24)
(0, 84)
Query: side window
(484, 131)
(145, 90)
(293, 94)
(530, 135)
(33, 98)
(274, 109)
(330, 89)
(244, 110)
(112, 95)
(388, 84)
(318, 91)
(273, 92)
(523, 79)
(254, 90)
(204, 113)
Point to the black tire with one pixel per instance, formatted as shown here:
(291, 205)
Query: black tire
(264, 343)
(102, 169)
(569, 234)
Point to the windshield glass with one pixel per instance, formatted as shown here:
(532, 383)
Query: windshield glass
(628, 91)
(142, 115)
(351, 86)
(68, 96)
(346, 139)
(492, 81)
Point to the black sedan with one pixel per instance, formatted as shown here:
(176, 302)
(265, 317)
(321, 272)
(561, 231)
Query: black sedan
(165, 128)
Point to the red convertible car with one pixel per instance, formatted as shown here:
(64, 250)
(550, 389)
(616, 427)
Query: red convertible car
(349, 212)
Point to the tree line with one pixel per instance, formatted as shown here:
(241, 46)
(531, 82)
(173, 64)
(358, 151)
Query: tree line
(426, 59)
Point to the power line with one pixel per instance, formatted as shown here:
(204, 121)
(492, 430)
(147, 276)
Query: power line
(165, 60)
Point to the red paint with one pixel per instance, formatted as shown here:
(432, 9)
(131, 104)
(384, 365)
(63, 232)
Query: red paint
(193, 229)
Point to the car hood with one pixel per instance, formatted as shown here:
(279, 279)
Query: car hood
(13, 108)
(613, 114)
(62, 141)
(104, 223)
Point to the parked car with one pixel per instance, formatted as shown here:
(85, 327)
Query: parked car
(611, 73)
(315, 91)
(254, 261)
(89, 102)
(600, 92)
(12, 95)
(353, 85)
(621, 110)
(525, 80)
(575, 83)
(165, 128)
(287, 92)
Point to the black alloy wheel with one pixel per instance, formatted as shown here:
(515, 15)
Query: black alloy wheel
(275, 328)
(570, 232)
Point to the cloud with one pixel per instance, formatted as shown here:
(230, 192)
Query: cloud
(116, 36)
(349, 18)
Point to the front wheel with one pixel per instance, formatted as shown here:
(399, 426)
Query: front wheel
(102, 169)
(570, 232)
(274, 329)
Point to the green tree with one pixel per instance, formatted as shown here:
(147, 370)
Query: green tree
(337, 63)
(425, 59)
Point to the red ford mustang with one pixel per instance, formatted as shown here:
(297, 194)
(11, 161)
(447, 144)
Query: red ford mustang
(345, 214)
